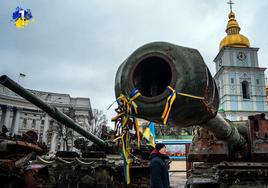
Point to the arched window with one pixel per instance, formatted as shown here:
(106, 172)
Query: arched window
(245, 90)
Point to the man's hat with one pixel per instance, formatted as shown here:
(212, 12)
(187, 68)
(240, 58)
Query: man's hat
(159, 146)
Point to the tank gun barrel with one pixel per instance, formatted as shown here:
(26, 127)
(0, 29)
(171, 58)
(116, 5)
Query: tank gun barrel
(51, 110)
(224, 130)
(155, 68)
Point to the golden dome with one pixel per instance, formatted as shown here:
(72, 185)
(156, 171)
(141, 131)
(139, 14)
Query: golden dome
(234, 38)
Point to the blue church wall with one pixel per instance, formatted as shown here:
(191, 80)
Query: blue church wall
(260, 102)
(260, 106)
(247, 105)
(233, 103)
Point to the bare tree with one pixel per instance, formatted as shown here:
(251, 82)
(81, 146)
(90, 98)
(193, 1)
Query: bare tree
(97, 123)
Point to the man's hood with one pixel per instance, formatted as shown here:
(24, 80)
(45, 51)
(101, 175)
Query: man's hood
(156, 153)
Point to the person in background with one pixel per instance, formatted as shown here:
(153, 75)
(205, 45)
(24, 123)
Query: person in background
(159, 177)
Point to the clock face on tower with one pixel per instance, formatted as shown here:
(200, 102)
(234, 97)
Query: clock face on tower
(241, 56)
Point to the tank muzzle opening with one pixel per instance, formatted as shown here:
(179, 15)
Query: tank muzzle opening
(152, 75)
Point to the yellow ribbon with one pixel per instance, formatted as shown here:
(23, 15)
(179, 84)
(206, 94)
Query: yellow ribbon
(119, 137)
(191, 96)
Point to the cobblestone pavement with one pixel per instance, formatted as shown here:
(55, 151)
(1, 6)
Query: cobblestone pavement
(177, 179)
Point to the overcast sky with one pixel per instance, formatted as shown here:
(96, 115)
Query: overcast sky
(76, 46)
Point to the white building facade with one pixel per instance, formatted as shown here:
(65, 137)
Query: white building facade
(19, 116)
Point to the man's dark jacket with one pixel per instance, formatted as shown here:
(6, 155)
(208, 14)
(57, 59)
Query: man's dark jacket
(159, 170)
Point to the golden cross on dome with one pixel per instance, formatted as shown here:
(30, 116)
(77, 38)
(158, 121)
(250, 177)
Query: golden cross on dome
(230, 3)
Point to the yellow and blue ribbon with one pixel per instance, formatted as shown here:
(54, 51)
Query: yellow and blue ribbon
(170, 100)
(168, 106)
(125, 120)
(125, 154)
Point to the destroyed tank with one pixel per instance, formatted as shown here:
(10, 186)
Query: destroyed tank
(97, 165)
(15, 154)
(222, 154)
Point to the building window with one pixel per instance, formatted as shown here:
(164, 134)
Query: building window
(245, 90)
(257, 81)
(43, 122)
(24, 123)
(232, 80)
(34, 124)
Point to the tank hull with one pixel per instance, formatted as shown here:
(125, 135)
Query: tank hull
(229, 175)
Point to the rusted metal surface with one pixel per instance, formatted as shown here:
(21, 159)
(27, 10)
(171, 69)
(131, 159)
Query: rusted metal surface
(11, 147)
(14, 173)
(259, 137)
(15, 155)
(6, 164)
(27, 143)
(229, 174)
(244, 139)
(206, 147)
(226, 131)
(189, 165)
(238, 169)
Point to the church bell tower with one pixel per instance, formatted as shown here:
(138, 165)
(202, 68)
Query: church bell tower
(239, 78)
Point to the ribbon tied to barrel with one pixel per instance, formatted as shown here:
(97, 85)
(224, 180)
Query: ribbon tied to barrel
(125, 124)
(170, 100)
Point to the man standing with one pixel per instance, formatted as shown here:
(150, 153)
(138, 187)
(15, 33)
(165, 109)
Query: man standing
(158, 167)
